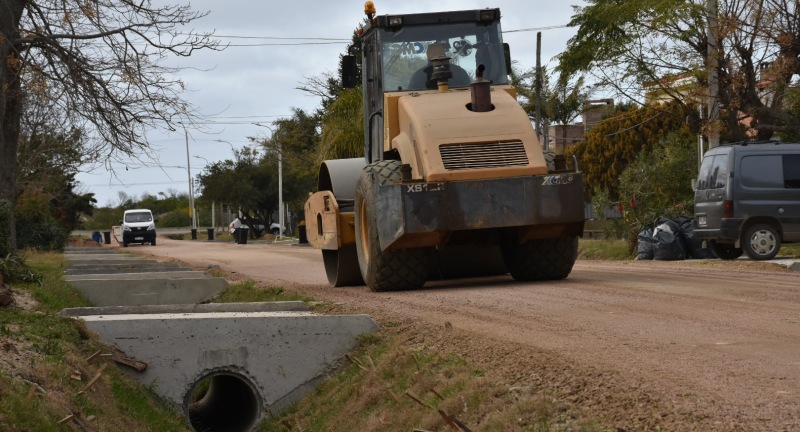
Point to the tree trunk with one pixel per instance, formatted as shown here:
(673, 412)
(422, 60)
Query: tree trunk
(10, 101)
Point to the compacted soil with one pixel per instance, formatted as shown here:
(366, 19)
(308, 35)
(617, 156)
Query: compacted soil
(690, 345)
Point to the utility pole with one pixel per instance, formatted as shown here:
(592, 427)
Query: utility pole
(538, 85)
(191, 187)
(712, 65)
(280, 188)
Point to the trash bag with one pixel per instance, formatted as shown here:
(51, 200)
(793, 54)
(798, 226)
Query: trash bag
(669, 243)
(694, 246)
(645, 244)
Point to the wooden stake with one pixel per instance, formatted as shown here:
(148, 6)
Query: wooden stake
(417, 400)
(91, 357)
(96, 376)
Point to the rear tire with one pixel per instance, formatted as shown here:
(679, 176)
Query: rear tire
(724, 251)
(388, 270)
(761, 242)
(545, 259)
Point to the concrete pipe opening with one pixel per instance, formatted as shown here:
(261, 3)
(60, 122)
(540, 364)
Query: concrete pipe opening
(223, 401)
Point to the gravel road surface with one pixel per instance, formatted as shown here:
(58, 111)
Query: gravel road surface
(689, 345)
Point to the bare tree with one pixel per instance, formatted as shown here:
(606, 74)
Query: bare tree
(102, 63)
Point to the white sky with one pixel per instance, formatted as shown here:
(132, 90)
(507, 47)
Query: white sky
(242, 86)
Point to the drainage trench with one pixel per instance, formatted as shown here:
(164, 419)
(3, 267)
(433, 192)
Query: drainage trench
(223, 401)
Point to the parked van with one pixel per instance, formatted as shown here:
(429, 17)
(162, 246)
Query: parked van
(747, 199)
(138, 226)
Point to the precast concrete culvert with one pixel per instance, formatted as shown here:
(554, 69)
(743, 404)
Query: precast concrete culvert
(223, 400)
(227, 365)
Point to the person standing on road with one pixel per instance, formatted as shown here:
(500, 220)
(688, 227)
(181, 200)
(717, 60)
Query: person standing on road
(234, 229)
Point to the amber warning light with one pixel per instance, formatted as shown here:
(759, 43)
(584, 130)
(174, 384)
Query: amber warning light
(369, 9)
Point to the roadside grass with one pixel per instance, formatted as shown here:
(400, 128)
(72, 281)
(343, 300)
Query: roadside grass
(393, 383)
(590, 249)
(47, 367)
(791, 250)
(250, 291)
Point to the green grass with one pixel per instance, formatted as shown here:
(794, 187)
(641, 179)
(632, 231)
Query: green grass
(791, 250)
(251, 291)
(603, 250)
(372, 393)
(51, 351)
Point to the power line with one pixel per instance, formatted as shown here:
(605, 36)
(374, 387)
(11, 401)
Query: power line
(282, 38)
(536, 29)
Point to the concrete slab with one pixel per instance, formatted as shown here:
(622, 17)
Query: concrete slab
(281, 306)
(107, 256)
(140, 262)
(253, 363)
(136, 292)
(116, 270)
(94, 250)
(123, 265)
(141, 276)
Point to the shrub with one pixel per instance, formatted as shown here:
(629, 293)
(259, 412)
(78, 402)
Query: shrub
(44, 236)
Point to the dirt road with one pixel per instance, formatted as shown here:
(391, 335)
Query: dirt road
(700, 345)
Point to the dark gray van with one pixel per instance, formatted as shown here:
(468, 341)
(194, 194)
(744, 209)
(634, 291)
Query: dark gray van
(747, 199)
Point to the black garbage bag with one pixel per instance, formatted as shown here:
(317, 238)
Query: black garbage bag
(669, 244)
(694, 246)
(645, 243)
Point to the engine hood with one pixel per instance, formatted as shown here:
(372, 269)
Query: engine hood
(443, 140)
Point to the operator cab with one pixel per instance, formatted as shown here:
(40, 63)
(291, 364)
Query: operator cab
(397, 52)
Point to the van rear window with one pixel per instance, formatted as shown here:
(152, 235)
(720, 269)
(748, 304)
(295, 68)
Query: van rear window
(791, 171)
(713, 172)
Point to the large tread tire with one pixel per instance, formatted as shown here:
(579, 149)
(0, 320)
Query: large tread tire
(761, 242)
(389, 270)
(544, 259)
(725, 251)
(341, 267)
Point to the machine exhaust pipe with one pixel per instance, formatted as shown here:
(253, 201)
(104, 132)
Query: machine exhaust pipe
(481, 93)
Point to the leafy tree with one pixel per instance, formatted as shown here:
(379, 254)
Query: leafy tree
(614, 143)
(658, 183)
(343, 127)
(627, 43)
(99, 62)
(562, 101)
(296, 140)
(245, 183)
(49, 159)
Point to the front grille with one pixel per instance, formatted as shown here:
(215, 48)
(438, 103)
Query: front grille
(483, 155)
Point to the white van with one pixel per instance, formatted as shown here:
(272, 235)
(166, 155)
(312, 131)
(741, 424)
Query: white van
(138, 226)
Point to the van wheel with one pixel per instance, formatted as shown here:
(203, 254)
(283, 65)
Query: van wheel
(124, 244)
(761, 242)
(153, 243)
(725, 251)
(388, 270)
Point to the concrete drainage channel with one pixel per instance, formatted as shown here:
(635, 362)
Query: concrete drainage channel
(225, 365)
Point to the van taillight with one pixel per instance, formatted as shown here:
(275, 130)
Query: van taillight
(727, 209)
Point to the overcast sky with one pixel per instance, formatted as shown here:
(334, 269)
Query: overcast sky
(244, 86)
